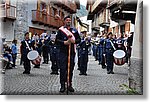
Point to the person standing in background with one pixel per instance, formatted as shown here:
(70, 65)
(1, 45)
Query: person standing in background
(14, 52)
(83, 54)
(109, 50)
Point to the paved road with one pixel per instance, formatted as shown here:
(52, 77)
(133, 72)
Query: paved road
(40, 82)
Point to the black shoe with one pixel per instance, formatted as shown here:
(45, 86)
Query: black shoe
(36, 67)
(71, 89)
(108, 72)
(112, 72)
(104, 66)
(44, 63)
(62, 89)
(26, 72)
(85, 74)
(56, 73)
(81, 74)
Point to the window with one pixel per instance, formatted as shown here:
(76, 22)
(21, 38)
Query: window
(5, 1)
(122, 29)
(62, 15)
(42, 6)
(52, 11)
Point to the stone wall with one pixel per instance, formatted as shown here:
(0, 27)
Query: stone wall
(22, 19)
(136, 68)
(136, 75)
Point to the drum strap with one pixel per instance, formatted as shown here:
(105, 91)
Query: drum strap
(27, 45)
(112, 45)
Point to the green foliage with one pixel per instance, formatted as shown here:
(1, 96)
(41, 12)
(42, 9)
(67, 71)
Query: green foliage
(130, 91)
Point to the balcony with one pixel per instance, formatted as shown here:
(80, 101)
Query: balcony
(68, 6)
(123, 10)
(95, 26)
(39, 17)
(8, 11)
(104, 18)
(45, 19)
(98, 5)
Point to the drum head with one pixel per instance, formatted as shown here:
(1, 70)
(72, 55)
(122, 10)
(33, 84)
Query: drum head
(119, 54)
(32, 55)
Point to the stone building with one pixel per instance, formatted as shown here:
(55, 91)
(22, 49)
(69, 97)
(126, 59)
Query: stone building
(122, 17)
(131, 10)
(36, 16)
(8, 18)
(102, 21)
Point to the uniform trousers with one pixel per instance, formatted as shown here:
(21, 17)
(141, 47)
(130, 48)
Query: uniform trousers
(26, 63)
(109, 60)
(63, 65)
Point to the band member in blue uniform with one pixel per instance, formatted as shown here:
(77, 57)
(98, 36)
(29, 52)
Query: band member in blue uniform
(45, 49)
(120, 43)
(109, 50)
(26, 46)
(95, 46)
(101, 52)
(83, 54)
(129, 47)
(37, 46)
(67, 36)
(54, 51)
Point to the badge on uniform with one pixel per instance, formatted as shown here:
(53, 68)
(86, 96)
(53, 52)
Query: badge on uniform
(73, 31)
(65, 38)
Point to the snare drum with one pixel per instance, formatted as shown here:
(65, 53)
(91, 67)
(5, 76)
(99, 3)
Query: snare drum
(119, 57)
(34, 57)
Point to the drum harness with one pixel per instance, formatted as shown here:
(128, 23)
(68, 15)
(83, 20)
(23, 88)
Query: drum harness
(112, 45)
(28, 46)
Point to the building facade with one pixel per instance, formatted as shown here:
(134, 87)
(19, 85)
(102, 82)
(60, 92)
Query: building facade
(36, 16)
(8, 18)
(122, 17)
(100, 14)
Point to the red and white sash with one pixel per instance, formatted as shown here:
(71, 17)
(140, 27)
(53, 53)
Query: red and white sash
(67, 33)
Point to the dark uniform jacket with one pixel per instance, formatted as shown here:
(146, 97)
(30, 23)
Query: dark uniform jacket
(24, 48)
(61, 37)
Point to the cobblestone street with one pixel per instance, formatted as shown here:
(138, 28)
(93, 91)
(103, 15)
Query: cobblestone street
(41, 82)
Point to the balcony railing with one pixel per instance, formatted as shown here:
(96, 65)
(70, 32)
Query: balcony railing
(104, 18)
(8, 11)
(46, 19)
(98, 5)
(68, 6)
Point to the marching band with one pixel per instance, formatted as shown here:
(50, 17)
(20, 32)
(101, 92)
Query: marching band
(54, 47)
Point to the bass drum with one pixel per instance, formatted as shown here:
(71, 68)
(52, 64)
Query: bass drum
(119, 57)
(34, 57)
